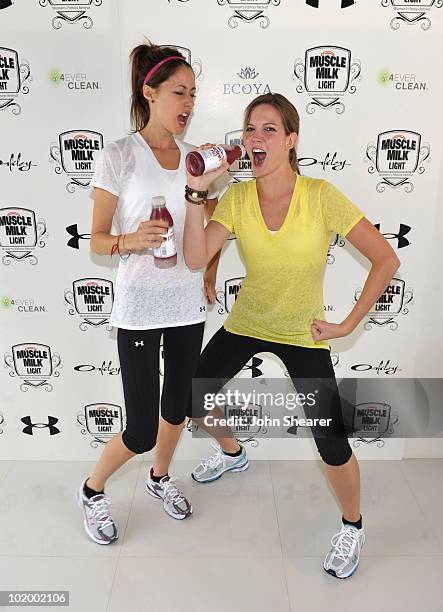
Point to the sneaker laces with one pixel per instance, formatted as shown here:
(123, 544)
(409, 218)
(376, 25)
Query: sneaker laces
(172, 492)
(344, 542)
(100, 511)
(214, 459)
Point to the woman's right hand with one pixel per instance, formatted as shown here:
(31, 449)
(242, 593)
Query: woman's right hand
(148, 235)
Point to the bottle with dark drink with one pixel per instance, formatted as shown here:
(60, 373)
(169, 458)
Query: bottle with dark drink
(165, 256)
(201, 162)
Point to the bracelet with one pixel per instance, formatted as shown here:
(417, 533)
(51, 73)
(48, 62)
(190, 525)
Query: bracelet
(195, 194)
(197, 202)
(116, 247)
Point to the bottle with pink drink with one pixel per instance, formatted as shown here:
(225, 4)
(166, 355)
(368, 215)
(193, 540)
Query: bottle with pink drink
(165, 256)
(201, 162)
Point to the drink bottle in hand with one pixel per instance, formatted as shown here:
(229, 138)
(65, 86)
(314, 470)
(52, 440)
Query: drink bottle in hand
(201, 162)
(165, 256)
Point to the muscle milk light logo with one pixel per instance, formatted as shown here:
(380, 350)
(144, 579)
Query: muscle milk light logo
(101, 421)
(241, 169)
(196, 64)
(343, 3)
(34, 364)
(375, 418)
(389, 305)
(14, 75)
(249, 11)
(226, 298)
(71, 12)
(327, 74)
(20, 234)
(411, 12)
(91, 299)
(75, 155)
(396, 157)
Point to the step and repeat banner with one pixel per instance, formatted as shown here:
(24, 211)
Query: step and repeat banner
(364, 77)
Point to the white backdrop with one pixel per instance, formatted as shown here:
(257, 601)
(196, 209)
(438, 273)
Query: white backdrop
(371, 126)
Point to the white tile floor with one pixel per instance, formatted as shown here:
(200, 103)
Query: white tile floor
(255, 542)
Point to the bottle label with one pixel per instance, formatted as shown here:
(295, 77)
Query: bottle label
(167, 249)
(213, 158)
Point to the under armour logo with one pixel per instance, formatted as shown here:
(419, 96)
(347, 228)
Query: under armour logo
(344, 3)
(76, 237)
(255, 371)
(29, 429)
(141, 343)
(401, 240)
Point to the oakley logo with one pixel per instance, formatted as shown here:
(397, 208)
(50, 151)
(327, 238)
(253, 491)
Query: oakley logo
(29, 426)
(141, 343)
(76, 237)
(401, 240)
(344, 3)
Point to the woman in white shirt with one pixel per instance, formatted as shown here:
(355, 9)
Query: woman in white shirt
(149, 301)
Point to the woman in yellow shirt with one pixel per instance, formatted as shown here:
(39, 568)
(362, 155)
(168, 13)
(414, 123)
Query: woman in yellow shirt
(283, 223)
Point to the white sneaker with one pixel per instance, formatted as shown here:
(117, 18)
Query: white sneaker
(342, 560)
(216, 465)
(174, 502)
(97, 520)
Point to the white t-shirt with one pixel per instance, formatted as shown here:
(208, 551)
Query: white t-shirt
(147, 297)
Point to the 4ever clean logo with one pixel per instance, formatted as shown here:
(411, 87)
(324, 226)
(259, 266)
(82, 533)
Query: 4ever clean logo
(15, 73)
(71, 12)
(249, 11)
(20, 234)
(327, 73)
(411, 12)
(75, 154)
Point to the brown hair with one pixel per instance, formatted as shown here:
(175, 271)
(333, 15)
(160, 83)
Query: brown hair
(288, 113)
(143, 58)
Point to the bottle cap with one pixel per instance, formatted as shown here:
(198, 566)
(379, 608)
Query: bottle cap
(158, 201)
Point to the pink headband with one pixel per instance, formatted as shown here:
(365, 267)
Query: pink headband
(157, 66)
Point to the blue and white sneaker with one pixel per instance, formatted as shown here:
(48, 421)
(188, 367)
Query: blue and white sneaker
(342, 560)
(216, 465)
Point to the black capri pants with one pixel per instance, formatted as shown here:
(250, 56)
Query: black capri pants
(139, 353)
(225, 355)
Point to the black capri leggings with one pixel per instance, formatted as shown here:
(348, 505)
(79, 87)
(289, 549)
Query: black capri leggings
(139, 352)
(225, 355)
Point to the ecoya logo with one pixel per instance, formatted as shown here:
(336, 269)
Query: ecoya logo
(249, 11)
(34, 364)
(74, 241)
(14, 75)
(73, 81)
(389, 305)
(343, 3)
(375, 418)
(241, 169)
(20, 234)
(226, 298)
(327, 74)
(91, 299)
(406, 81)
(101, 421)
(336, 241)
(330, 161)
(396, 157)
(247, 74)
(195, 63)
(29, 426)
(25, 305)
(399, 237)
(71, 12)
(16, 163)
(75, 155)
(411, 12)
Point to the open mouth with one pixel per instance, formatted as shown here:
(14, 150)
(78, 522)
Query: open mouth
(183, 119)
(258, 156)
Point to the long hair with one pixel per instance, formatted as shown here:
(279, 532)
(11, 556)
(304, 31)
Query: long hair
(143, 58)
(288, 113)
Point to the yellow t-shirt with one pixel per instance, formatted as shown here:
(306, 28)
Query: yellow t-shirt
(283, 289)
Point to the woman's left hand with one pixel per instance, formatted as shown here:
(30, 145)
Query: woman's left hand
(323, 330)
(210, 290)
